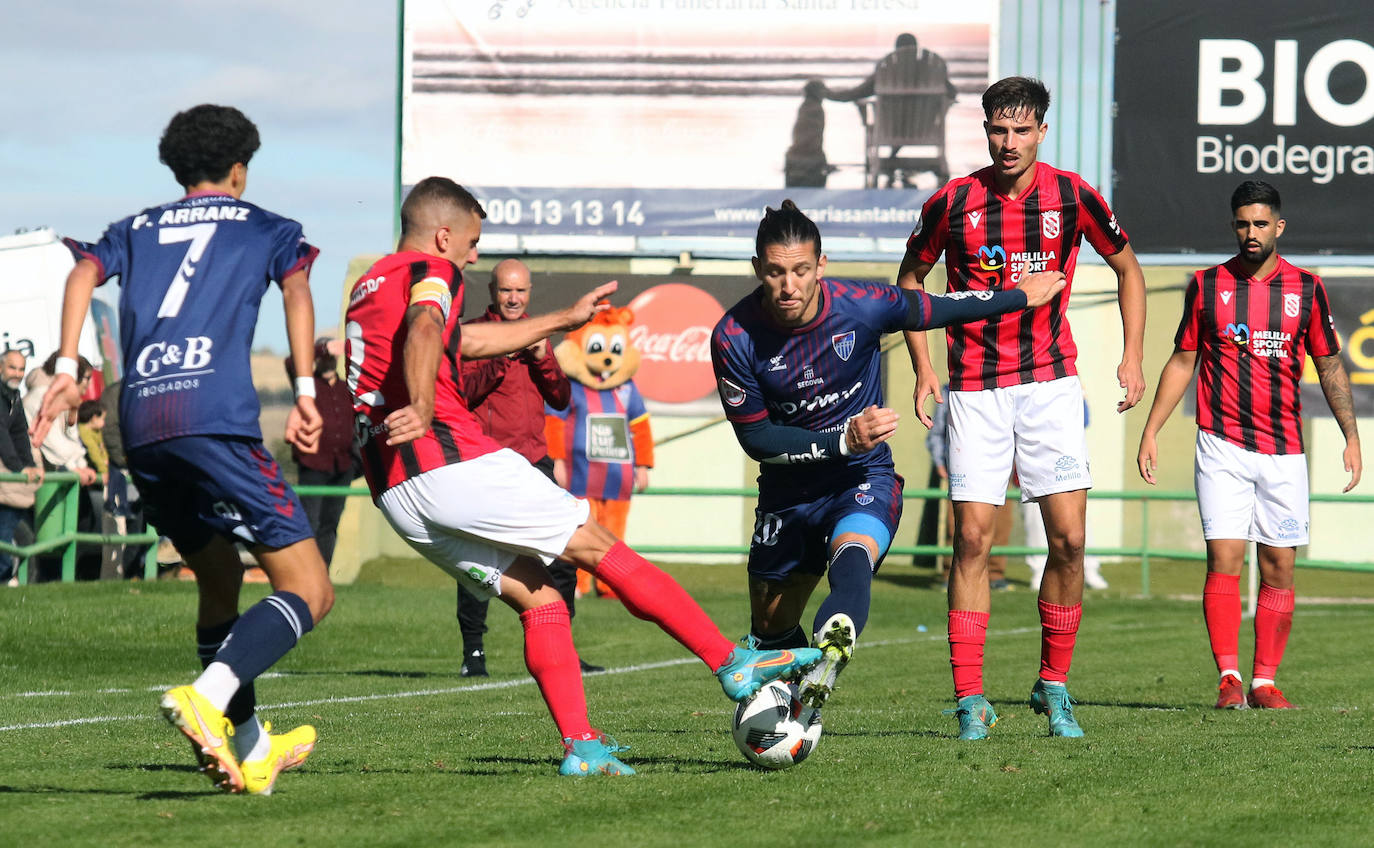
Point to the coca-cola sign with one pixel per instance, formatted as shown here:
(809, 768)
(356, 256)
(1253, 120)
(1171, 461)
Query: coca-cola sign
(672, 332)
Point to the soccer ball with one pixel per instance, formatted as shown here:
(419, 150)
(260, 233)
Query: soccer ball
(774, 729)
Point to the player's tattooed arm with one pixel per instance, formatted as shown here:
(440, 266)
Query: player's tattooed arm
(1335, 385)
(424, 346)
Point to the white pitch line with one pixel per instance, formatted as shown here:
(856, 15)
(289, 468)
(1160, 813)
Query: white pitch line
(476, 687)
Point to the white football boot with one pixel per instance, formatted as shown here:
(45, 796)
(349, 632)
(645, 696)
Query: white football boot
(835, 640)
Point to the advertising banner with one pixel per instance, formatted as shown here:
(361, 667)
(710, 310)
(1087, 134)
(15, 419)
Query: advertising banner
(1207, 98)
(657, 118)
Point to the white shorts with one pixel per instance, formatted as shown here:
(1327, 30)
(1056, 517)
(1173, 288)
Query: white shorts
(474, 518)
(1037, 426)
(1246, 495)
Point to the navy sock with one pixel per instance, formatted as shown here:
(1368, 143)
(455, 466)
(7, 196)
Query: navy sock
(208, 642)
(851, 586)
(794, 638)
(264, 634)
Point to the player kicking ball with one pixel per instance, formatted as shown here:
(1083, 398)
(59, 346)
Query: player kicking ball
(192, 274)
(798, 366)
(1250, 472)
(483, 513)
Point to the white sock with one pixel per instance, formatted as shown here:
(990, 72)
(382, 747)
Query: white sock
(1260, 681)
(217, 684)
(1229, 672)
(251, 742)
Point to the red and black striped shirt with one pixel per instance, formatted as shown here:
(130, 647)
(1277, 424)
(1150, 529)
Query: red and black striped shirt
(990, 241)
(1252, 337)
(376, 334)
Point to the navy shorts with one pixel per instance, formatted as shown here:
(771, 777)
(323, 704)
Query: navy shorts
(196, 486)
(792, 528)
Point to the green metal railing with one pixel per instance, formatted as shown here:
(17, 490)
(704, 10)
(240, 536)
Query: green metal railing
(55, 508)
(1144, 551)
(55, 511)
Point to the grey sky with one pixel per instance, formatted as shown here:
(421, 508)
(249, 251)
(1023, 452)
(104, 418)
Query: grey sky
(90, 86)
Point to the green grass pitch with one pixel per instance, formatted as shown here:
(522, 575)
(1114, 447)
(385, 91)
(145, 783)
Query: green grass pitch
(411, 754)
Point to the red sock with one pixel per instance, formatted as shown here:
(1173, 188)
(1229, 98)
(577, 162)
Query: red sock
(552, 661)
(1221, 611)
(1058, 632)
(651, 595)
(1273, 620)
(968, 632)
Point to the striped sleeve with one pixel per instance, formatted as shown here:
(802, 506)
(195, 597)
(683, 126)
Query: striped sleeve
(928, 239)
(1186, 338)
(1321, 328)
(1098, 223)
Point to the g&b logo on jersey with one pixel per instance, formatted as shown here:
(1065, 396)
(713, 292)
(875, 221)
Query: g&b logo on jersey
(165, 357)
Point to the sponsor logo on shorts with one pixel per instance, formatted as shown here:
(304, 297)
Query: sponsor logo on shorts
(1067, 469)
(1206, 525)
(1289, 529)
(863, 499)
(957, 480)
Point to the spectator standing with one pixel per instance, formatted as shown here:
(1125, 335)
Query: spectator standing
(123, 506)
(16, 454)
(62, 450)
(336, 463)
(507, 395)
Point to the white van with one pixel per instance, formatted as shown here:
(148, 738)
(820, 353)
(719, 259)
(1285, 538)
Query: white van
(33, 275)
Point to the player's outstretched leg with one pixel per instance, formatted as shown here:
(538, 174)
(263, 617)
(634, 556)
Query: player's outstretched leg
(651, 595)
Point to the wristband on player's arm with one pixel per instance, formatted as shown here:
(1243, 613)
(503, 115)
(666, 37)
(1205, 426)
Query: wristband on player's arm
(772, 443)
(929, 311)
(305, 387)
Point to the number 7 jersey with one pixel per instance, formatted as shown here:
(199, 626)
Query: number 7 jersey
(192, 275)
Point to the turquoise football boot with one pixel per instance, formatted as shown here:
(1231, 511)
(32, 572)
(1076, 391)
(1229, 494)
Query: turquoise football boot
(1054, 699)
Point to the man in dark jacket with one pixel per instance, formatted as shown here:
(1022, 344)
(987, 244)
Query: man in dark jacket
(507, 395)
(16, 452)
(336, 463)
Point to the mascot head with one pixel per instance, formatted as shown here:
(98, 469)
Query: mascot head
(599, 354)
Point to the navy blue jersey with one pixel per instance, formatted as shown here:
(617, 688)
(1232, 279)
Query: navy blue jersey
(192, 275)
(815, 376)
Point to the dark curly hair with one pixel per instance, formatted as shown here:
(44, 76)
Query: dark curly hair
(786, 225)
(202, 143)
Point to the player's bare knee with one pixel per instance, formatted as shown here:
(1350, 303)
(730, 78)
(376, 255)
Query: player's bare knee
(1067, 550)
(589, 545)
